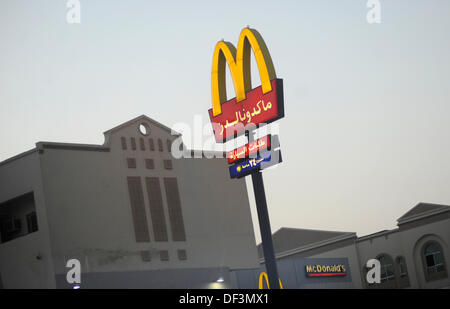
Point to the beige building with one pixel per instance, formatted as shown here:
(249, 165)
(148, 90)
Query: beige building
(414, 255)
(131, 214)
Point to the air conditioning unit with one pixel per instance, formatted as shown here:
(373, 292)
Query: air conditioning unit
(12, 225)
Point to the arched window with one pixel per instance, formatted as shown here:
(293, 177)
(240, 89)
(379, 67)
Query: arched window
(434, 263)
(387, 268)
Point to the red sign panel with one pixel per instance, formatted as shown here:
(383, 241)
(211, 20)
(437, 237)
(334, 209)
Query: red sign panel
(249, 149)
(257, 108)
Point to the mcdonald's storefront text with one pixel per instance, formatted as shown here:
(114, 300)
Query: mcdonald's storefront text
(325, 270)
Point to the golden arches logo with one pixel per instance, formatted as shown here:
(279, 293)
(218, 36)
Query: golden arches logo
(238, 61)
(262, 276)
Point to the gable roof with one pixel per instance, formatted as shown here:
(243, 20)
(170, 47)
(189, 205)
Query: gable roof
(288, 239)
(139, 119)
(422, 210)
(41, 145)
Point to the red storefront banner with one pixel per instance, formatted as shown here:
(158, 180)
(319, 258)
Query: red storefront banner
(326, 274)
(245, 151)
(257, 108)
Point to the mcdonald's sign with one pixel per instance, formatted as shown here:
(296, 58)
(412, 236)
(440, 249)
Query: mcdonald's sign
(250, 107)
(325, 270)
(244, 113)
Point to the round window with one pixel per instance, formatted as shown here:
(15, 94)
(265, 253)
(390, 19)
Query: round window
(144, 129)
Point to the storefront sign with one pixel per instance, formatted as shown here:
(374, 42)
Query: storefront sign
(318, 270)
(246, 167)
(260, 145)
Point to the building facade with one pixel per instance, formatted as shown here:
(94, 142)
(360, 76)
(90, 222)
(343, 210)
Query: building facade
(132, 215)
(414, 255)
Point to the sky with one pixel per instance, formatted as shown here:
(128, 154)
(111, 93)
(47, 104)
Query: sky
(366, 133)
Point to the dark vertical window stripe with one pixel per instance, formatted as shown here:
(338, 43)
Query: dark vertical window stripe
(138, 209)
(142, 143)
(174, 205)
(168, 164)
(149, 164)
(151, 144)
(124, 143)
(133, 143)
(164, 255)
(182, 256)
(156, 208)
(131, 163)
(146, 256)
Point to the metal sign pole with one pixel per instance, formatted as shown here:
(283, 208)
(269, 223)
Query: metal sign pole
(264, 224)
(264, 227)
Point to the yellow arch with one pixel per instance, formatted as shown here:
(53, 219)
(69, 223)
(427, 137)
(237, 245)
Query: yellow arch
(239, 63)
(262, 276)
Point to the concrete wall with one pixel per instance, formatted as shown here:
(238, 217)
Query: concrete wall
(388, 244)
(218, 224)
(90, 218)
(186, 278)
(412, 241)
(408, 243)
(19, 267)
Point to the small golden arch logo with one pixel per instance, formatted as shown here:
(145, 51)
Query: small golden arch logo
(262, 276)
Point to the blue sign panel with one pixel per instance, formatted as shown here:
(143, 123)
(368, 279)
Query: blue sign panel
(255, 164)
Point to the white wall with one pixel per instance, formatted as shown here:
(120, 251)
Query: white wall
(408, 243)
(19, 267)
(90, 215)
(413, 241)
